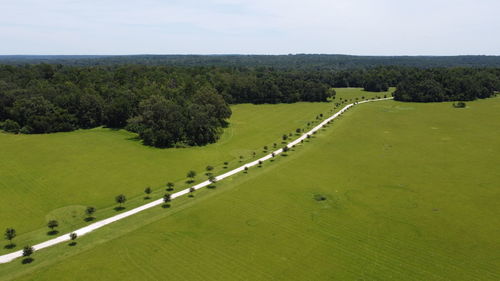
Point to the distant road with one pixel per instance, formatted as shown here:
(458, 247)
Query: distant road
(87, 229)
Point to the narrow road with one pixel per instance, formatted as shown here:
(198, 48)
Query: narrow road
(87, 229)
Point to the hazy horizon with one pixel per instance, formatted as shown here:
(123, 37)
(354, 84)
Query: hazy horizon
(230, 27)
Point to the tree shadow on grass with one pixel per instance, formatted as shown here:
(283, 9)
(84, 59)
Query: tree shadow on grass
(10, 246)
(165, 206)
(27, 260)
(170, 189)
(191, 195)
(72, 244)
(89, 219)
(190, 181)
(212, 186)
(119, 208)
(147, 197)
(52, 232)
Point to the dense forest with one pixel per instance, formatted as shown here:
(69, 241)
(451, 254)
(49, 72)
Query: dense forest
(178, 105)
(166, 106)
(455, 84)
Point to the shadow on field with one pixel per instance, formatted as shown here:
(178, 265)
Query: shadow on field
(27, 260)
(165, 206)
(72, 244)
(52, 232)
(10, 246)
(119, 208)
(89, 219)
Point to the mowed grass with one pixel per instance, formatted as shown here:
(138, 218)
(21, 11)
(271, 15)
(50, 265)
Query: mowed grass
(56, 176)
(412, 193)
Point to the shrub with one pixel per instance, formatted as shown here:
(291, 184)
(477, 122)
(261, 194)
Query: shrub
(11, 126)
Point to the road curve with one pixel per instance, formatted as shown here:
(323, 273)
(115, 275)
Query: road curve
(87, 229)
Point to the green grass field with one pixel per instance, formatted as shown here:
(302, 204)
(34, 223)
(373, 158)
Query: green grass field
(411, 194)
(56, 176)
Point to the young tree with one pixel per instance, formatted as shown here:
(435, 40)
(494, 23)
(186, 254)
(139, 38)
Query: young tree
(273, 154)
(275, 145)
(298, 130)
(253, 154)
(167, 198)
(170, 186)
(10, 233)
(226, 164)
(191, 174)
(191, 191)
(241, 158)
(260, 163)
(28, 251)
(284, 137)
(120, 199)
(212, 179)
(89, 212)
(52, 224)
(285, 148)
(208, 170)
(148, 191)
(73, 237)
(265, 148)
(246, 169)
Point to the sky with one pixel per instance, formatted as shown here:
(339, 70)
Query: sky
(357, 27)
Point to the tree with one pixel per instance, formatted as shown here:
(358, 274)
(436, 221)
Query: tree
(285, 148)
(73, 237)
(167, 198)
(10, 233)
(265, 148)
(120, 199)
(27, 252)
(246, 169)
(209, 170)
(212, 179)
(191, 191)
(148, 191)
(170, 186)
(272, 154)
(89, 211)
(253, 154)
(52, 224)
(275, 145)
(191, 174)
(298, 130)
(260, 163)
(284, 137)
(226, 164)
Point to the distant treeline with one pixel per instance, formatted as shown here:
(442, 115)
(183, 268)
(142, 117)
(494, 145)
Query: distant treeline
(299, 61)
(166, 106)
